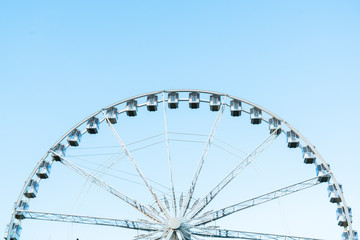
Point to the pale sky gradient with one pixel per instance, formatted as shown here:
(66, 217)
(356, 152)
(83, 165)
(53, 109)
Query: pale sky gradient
(60, 61)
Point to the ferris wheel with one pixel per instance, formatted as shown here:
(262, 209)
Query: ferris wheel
(181, 165)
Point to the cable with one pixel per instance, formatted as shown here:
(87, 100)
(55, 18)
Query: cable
(117, 146)
(127, 180)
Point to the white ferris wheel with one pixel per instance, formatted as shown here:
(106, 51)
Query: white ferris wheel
(181, 164)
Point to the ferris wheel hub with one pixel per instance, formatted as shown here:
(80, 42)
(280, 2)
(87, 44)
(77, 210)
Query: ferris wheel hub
(174, 223)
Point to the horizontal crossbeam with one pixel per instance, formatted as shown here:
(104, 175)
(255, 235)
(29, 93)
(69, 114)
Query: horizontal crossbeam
(212, 216)
(137, 225)
(223, 233)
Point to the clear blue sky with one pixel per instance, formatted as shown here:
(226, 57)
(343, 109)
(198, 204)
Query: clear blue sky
(62, 60)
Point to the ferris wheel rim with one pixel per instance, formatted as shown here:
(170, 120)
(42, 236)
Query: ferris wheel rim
(302, 137)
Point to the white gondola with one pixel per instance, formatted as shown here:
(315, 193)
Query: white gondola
(235, 108)
(274, 124)
(31, 189)
(112, 115)
(333, 193)
(255, 115)
(194, 100)
(131, 108)
(215, 103)
(341, 216)
(44, 170)
(23, 206)
(74, 138)
(92, 126)
(346, 235)
(173, 100)
(292, 138)
(59, 151)
(308, 155)
(322, 173)
(152, 103)
(15, 231)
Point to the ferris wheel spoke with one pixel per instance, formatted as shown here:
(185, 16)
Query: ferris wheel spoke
(203, 156)
(169, 235)
(149, 236)
(147, 212)
(224, 233)
(180, 236)
(161, 207)
(163, 235)
(173, 199)
(213, 216)
(187, 235)
(59, 217)
(239, 168)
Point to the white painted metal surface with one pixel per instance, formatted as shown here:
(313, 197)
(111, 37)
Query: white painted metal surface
(180, 221)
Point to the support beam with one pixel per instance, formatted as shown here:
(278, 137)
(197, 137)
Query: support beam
(203, 157)
(223, 233)
(57, 217)
(213, 216)
(121, 142)
(251, 157)
(110, 189)
(173, 199)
